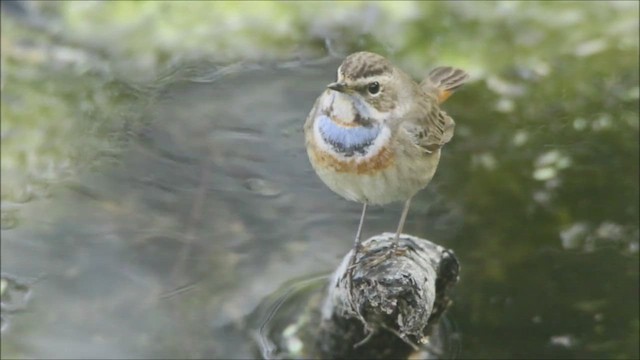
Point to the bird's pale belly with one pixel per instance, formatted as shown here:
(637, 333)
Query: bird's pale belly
(394, 176)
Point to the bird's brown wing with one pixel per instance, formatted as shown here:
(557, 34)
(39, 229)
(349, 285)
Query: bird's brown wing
(435, 128)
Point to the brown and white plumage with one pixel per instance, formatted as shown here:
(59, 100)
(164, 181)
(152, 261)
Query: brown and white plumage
(375, 135)
(400, 163)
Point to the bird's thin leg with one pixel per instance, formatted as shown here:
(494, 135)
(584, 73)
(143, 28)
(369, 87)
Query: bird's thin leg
(403, 218)
(352, 262)
(357, 244)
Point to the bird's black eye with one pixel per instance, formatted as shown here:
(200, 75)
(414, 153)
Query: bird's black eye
(373, 88)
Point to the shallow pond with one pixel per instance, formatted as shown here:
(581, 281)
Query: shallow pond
(159, 212)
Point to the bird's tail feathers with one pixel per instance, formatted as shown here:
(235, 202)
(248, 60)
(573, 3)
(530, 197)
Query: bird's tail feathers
(443, 81)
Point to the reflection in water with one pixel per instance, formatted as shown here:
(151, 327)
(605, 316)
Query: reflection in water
(279, 318)
(286, 329)
(14, 297)
(167, 240)
(221, 199)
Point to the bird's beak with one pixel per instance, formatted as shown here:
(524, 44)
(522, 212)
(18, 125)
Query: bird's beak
(338, 86)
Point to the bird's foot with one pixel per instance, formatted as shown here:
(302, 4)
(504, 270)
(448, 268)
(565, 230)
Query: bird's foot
(388, 253)
(395, 248)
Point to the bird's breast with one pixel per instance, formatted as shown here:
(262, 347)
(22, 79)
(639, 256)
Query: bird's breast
(324, 161)
(348, 141)
(350, 149)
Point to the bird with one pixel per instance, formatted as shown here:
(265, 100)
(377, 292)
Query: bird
(375, 135)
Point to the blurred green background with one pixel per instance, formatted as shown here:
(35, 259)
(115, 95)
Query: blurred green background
(149, 146)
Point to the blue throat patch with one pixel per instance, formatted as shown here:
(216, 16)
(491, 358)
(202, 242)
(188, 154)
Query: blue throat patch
(347, 140)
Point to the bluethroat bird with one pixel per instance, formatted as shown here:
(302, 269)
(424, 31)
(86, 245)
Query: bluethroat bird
(374, 136)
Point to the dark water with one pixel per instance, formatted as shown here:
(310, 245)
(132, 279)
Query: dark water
(202, 203)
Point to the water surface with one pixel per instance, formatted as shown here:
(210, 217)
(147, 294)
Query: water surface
(159, 213)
